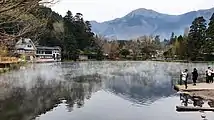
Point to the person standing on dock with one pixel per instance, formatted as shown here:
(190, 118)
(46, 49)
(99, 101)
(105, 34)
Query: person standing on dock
(212, 74)
(209, 75)
(184, 76)
(194, 76)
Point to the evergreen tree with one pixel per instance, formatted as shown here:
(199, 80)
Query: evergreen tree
(157, 39)
(182, 49)
(172, 38)
(210, 30)
(177, 46)
(69, 42)
(210, 36)
(124, 52)
(196, 38)
(99, 55)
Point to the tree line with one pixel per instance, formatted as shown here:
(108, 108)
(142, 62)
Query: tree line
(196, 44)
(142, 48)
(31, 19)
(72, 33)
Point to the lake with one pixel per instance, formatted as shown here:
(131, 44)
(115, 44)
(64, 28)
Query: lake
(95, 91)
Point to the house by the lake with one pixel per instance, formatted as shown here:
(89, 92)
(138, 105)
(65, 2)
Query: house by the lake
(26, 48)
(48, 54)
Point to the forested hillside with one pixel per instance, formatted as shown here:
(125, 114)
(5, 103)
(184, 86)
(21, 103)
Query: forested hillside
(31, 19)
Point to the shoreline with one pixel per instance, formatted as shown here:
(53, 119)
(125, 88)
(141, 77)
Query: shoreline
(183, 61)
(14, 66)
(176, 61)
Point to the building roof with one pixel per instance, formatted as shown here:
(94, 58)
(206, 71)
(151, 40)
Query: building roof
(48, 48)
(23, 42)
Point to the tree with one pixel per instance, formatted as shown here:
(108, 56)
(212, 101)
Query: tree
(114, 50)
(3, 51)
(210, 30)
(135, 47)
(17, 19)
(186, 32)
(210, 36)
(157, 39)
(52, 32)
(196, 38)
(172, 38)
(70, 49)
(181, 47)
(82, 32)
(168, 53)
(98, 45)
(177, 47)
(148, 46)
(125, 52)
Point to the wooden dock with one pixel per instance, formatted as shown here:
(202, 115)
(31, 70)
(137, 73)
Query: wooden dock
(190, 108)
(198, 87)
(201, 90)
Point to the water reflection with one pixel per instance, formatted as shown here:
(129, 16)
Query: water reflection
(24, 103)
(195, 101)
(37, 89)
(140, 89)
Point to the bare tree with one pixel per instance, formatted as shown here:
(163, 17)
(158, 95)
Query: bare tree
(142, 46)
(18, 19)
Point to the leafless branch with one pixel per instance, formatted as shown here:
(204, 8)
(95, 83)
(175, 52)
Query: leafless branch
(18, 14)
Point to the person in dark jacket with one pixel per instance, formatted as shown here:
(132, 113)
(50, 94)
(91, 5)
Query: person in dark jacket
(209, 75)
(194, 76)
(212, 74)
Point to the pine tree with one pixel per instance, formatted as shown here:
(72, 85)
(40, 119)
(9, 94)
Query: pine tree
(182, 49)
(69, 42)
(196, 38)
(210, 30)
(172, 38)
(210, 36)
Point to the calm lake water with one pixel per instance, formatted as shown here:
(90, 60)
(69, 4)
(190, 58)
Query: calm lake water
(95, 91)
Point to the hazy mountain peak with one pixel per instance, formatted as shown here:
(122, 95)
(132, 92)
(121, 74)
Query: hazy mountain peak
(143, 21)
(140, 10)
(144, 12)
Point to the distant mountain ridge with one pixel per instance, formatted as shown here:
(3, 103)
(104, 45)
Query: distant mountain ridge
(148, 22)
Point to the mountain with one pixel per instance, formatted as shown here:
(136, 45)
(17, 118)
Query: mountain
(148, 22)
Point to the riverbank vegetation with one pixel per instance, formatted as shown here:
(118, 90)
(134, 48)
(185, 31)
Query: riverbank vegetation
(35, 20)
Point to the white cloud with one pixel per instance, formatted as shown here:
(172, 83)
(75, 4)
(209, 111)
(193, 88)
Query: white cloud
(102, 10)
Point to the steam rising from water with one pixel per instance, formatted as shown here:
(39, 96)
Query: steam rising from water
(153, 71)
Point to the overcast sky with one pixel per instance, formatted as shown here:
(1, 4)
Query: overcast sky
(103, 10)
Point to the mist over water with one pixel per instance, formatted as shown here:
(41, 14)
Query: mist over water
(94, 90)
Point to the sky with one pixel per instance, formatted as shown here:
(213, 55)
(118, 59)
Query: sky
(104, 10)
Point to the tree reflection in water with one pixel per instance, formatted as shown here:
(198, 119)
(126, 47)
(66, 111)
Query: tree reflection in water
(22, 103)
(195, 101)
